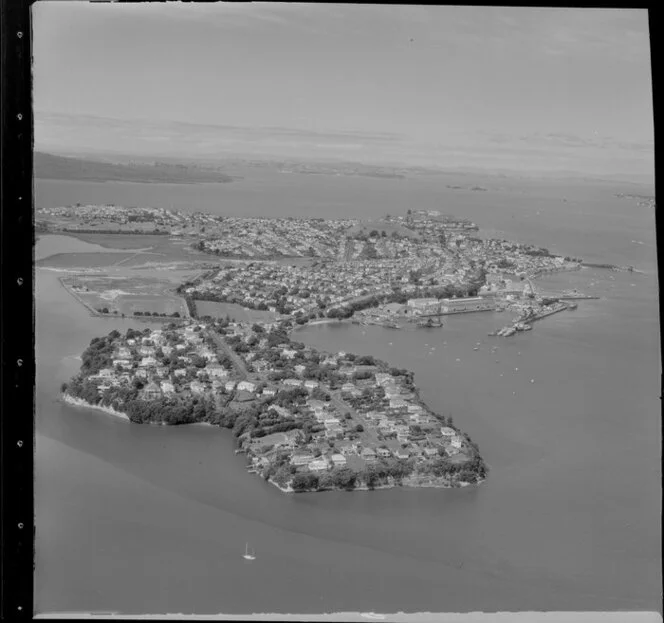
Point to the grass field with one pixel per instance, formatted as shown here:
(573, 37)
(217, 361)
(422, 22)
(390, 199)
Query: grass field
(380, 226)
(239, 313)
(128, 304)
(125, 295)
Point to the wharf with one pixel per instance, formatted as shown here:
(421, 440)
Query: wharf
(544, 314)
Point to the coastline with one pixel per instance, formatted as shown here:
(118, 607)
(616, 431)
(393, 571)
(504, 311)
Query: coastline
(79, 402)
(410, 483)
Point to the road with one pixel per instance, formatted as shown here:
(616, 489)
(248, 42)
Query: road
(370, 434)
(238, 362)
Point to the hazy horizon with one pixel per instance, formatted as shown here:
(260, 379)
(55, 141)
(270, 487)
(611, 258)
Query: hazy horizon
(526, 90)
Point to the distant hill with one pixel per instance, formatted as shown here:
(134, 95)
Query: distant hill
(50, 167)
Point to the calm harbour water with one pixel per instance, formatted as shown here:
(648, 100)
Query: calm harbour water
(149, 519)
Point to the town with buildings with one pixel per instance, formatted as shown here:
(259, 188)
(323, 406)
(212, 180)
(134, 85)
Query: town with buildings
(422, 263)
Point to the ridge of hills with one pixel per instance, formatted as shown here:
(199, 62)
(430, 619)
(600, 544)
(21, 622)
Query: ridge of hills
(49, 166)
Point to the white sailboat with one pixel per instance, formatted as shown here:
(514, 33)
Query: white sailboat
(247, 555)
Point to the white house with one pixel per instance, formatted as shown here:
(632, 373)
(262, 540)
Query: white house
(167, 387)
(398, 403)
(230, 386)
(301, 459)
(196, 387)
(148, 361)
(319, 465)
(446, 431)
(216, 370)
(339, 460)
(310, 385)
(246, 386)
(456, 442)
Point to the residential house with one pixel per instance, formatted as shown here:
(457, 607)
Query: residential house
(338, 460)
(402, 453)
(141, 373)
(167, 387)
(290, 383)
(383, 378)
(230, 386)
(123, 353)
(196, 387)
(456, 441)
(216, 370)
(301, 458)
(180, 372)
(310, 385)
(151, 392)
(446, 431)
(147, 362)
(269, 391)
(319, 465)
(368, 454)
(246, 386)
(383, 453)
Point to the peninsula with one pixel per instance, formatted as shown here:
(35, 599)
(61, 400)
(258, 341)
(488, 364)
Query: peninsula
(306, 420)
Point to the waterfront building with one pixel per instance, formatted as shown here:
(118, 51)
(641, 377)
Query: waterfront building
(151, 392)
(456, 442)
(339, 460)
(476, 303)
(368, 454)
(319, 465)
(422, 306)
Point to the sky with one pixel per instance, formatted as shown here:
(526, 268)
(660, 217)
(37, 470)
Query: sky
(486, 87)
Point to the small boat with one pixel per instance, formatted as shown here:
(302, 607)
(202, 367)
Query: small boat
(247, 555)
(475, 348)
